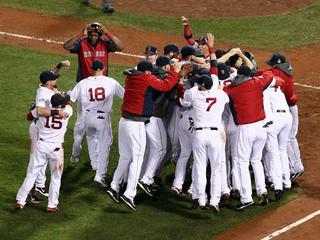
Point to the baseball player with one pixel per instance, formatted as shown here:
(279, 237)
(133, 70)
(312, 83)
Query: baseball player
(52, 127)
(155, 129)
(282, 68)
(94, 42)
(246, 95)
(151, 54)
(32, 115)
(105, 4)
(208, 140)
(276, 146)
(136, 110)
(95, 95)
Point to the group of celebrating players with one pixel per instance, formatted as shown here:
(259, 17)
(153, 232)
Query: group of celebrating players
(209, 110)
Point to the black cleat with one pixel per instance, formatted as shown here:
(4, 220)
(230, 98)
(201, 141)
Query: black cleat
(224, 200)
(235, 194)
(278, 194)
(214, 207)
(295, 176)
(42, 191)
(113, 194)
(19, 206)
(108, 9)
(241, 206)
(264, 200)
(129, 202)
(33, 198)
(146, 188)
(195, 204)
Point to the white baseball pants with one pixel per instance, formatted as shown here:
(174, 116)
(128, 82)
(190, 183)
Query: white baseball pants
(78, 132)
(293, 146)
(251, 139)
(132, 144)
(99, 138)
(207, 144)
(33, 134)
(185, 139)
(44, 152)
(157, 145)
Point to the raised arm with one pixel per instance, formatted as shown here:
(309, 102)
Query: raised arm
(70, 42)
(116, 44)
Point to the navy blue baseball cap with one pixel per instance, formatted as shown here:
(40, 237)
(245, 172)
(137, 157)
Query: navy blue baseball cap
(162, 61)
(171, 48)
(187, 51)
(151, 50)
(144, 65)
(97, 65)
(58, 99)
(276, 58)
(205, 81)
(48, 75)
(223, 71)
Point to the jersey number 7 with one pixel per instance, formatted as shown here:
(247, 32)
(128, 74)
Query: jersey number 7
(211, 101)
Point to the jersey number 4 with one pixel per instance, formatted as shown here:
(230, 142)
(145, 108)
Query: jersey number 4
(55, 122)
(97, 94)
(211, 101)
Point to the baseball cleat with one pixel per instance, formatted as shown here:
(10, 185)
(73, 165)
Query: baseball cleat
(224, 200)
(195, 204)
(100, 181)
(296, 175)
(113, 194)
(108, 9)
(241, 206)
(278, 194)
(146, 188)
(264, 200)
(235, 194)
(33, 198)
(42, 191)
(19, 206)
(129, 202)
(74, 159)
(177, 191)
(53, 210)
(214, 207)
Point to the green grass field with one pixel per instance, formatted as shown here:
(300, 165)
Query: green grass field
(276, 32)
(87, 211)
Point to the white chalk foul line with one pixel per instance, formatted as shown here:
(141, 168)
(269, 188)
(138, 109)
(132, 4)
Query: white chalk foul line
(60, 43)
(119, 53)
(277, 233)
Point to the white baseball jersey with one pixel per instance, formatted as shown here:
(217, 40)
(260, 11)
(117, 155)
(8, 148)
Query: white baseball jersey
(53, 128)
(43, 98)
(207, 106)
(278, 100)
(96, 93)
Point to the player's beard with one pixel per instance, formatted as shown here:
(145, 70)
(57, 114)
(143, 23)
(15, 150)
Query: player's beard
(55, 86)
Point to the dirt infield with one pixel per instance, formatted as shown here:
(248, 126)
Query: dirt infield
(302, 59)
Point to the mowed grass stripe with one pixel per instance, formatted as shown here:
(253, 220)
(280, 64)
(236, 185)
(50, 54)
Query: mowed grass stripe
(276, 32)
(87, 211)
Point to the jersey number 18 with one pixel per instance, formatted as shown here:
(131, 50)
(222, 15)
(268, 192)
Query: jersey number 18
(97, 94)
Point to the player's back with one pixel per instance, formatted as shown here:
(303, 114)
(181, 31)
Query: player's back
(278, 100)
(208, 106)
(96, 93)
(53, 128)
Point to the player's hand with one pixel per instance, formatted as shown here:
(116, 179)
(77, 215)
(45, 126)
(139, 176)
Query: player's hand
(63, 114)
(65, 64)
(177, 67)
(103, 30)
(185, 21)
(186, 69)
(85, 29)
(210, 41)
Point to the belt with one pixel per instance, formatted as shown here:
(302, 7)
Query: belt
(210, 128)
(281, 111)
(267, 124)
(88, 110)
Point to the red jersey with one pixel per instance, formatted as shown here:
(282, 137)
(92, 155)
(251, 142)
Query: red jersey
(139, 90)
(246, 99)
(287, 88)
(87, 53)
